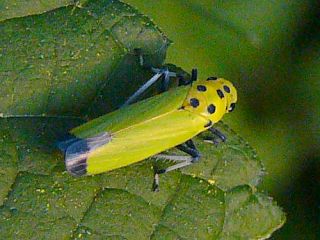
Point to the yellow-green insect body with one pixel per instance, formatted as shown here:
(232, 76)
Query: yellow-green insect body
(149, 127)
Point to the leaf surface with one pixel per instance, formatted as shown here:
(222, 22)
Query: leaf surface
(62, 67)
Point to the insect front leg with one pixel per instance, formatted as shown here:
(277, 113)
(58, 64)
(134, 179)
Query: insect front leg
(189, 148)
(216, 134)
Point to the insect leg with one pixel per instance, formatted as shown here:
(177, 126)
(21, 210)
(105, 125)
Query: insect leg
(184, 163)
(174, 158)
(218, 134)
(194, 74)
(194, 77)
(189, 148)
(158, 74)
(166, 74)
(165, 81)
(142, 89)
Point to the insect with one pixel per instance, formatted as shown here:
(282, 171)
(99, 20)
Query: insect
(149, 127)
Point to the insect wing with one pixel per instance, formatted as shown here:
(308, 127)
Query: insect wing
(76, 153)
(133, 114)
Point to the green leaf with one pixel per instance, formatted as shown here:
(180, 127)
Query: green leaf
(13, 9)
(59, 68)
(75, 58)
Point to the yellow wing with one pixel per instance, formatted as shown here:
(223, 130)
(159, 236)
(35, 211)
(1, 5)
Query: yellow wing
(133, 114)
(146, 139)
(147, 128)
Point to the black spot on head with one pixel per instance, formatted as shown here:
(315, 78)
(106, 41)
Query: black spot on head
(212, 78)
(220, 93)
(194, 102)
(232, 106)
(226, 88)
(201, 88)
(211, 108)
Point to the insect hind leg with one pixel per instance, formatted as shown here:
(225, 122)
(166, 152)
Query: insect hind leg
(159, 74)
(189, 148)
(162, 72)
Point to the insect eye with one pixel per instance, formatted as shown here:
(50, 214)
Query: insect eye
(232, 106)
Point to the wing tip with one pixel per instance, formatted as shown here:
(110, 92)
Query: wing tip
(75, 162)
(77, 167)
(77, 150)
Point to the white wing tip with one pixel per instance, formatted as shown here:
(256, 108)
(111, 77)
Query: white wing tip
(76, 166)
(76, 154)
